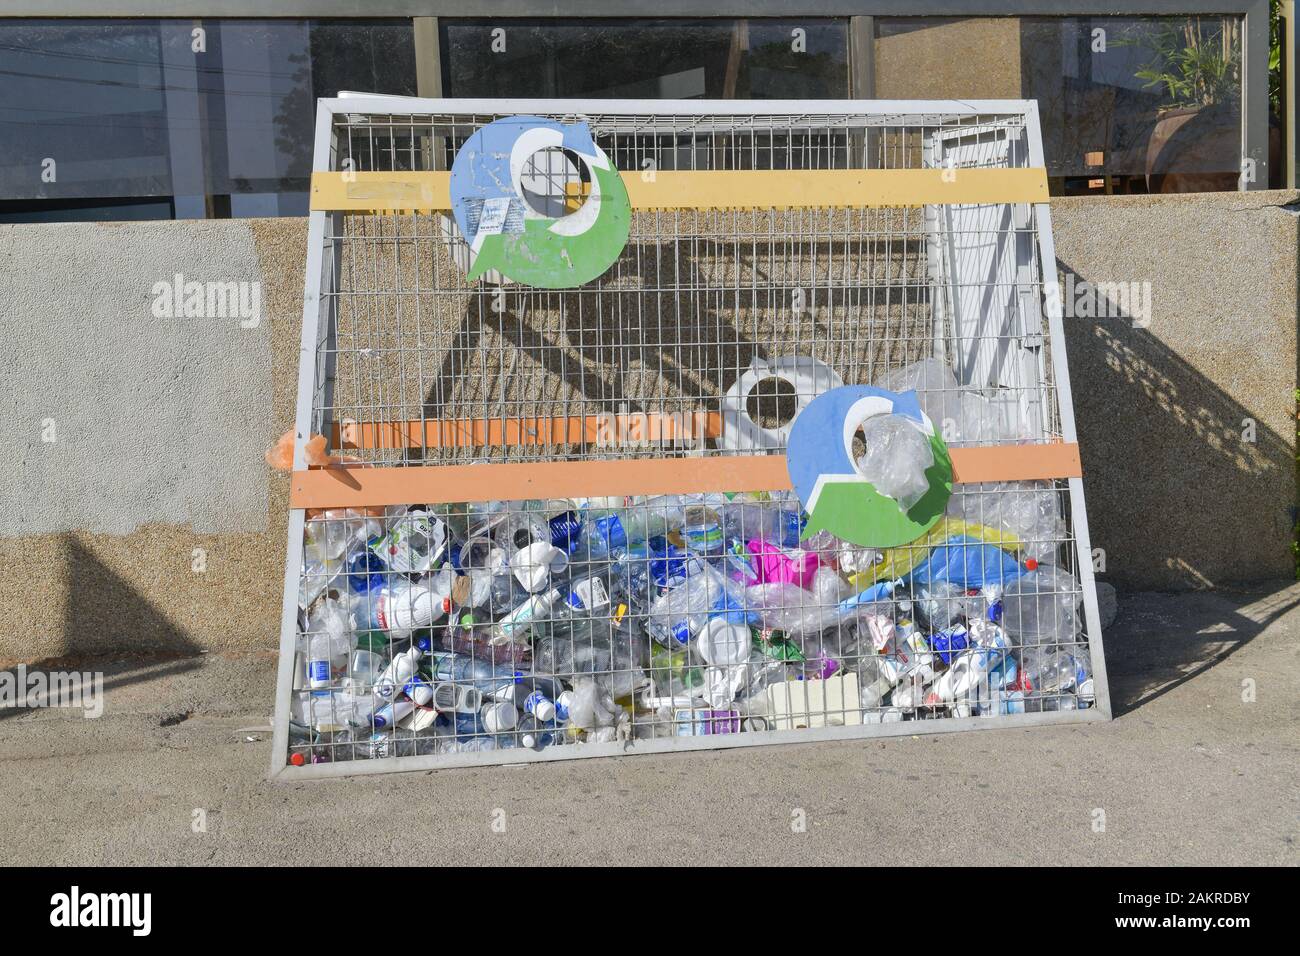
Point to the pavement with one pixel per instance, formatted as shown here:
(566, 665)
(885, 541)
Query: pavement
(1198, 767)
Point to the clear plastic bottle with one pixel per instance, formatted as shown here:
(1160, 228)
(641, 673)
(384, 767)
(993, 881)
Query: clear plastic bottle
(519, 622)
(677, 616)
(607, 534)
(608, 648)
(484, 677)
(1041, 607)
(368, 661)
(329, 641)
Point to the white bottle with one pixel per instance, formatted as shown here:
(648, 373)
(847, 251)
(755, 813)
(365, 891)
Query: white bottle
(402, 606)
(386, 717)
(499, 717)
(397, 674)
(540, 706)
(972, 666)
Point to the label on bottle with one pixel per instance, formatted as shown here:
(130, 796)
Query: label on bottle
(522, 616)
(589, 594)
(318, 672)
(704, 532)
(413, 545)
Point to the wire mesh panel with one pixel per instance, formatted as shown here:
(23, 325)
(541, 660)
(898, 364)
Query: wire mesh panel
(557, 522)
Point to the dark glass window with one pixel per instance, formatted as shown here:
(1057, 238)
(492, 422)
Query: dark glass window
(1127, 104)
(646, 59)
(148, 119)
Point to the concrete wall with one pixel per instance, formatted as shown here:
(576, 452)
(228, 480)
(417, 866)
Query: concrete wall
(148, 520)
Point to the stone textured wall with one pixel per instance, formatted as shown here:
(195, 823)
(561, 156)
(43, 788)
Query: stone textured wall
(151, 522)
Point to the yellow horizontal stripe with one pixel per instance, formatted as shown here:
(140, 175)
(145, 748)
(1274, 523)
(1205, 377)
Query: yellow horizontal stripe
(716, 189)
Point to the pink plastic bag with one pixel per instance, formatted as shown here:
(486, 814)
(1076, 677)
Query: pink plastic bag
(776, 565)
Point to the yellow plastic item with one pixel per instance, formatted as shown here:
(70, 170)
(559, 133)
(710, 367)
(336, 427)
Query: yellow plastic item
(901, 560)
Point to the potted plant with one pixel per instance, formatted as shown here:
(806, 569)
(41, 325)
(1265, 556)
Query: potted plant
(1195, 143)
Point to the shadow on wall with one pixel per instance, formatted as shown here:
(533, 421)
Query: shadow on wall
(1164, 448)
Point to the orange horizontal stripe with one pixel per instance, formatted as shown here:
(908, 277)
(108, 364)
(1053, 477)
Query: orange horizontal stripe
(1016, 462)
(356, 487)
(496, 432)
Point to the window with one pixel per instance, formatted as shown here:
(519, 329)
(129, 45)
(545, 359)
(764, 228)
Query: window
(646, 59)
(111, 119)
(1127, 104)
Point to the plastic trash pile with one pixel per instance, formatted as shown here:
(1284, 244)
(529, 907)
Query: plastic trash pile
(539, 624)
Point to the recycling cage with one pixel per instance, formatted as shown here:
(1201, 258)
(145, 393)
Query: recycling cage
(859, 236)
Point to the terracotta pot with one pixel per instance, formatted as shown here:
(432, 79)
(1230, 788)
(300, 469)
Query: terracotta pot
(1195, 150)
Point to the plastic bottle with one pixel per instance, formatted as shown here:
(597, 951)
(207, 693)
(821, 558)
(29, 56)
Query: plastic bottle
(1053, 672)
(1041, 607)
(701, 530)
(590, 594)
(499, 717)
(484, 677)
(565, 523)
(491, 583)
(368, 661)
(608, 533)
(765, 520)
(397, 674)
(472, 636)
(329, 542)
(518, 622)
(521, 528)
(536, 734)
(605, 647)
(677, 616)
(968, 671)
(938, 603)
(401, 606)
(563, 702)
(387, 716)
(328, 643)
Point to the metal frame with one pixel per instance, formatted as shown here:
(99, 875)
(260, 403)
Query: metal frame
(1255, 109)
(318, 327)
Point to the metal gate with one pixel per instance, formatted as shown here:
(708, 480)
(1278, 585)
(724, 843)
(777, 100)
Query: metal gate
(557, 522)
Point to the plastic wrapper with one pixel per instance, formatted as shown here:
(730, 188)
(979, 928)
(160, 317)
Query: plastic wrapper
(897, 455)
(1042, 607)
(1028, 510)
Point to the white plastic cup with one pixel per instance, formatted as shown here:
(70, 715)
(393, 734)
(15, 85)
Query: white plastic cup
(723, 643)
(535, 565)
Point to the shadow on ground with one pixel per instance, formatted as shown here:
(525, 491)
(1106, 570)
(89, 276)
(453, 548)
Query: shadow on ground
(104, 611)
(1162, 640)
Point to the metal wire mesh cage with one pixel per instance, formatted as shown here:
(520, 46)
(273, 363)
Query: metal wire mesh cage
(558, 522)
